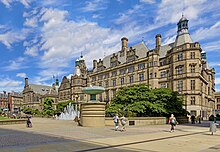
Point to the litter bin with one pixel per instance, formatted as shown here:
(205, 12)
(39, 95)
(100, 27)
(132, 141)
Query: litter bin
(213, 127)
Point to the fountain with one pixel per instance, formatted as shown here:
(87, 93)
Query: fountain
(69, 113)
(93, 112)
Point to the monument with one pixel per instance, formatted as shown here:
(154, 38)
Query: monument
(93, 111)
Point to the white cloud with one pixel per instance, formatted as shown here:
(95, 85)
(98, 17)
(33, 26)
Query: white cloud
(212, 46)
(170, 12)
(8, 37)
(217, 81)
(22, 75)
(207, 33)
(9, 84)
(32, 22)
(15, 64)
(148, 1)
(8, 3)
(94, 5)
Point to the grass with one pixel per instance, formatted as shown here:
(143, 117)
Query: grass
(4, 118)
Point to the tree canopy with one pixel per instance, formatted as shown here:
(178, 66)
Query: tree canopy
(140, 100)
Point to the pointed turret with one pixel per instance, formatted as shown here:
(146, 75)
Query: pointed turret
(183, 35)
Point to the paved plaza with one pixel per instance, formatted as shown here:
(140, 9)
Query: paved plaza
(49, 135)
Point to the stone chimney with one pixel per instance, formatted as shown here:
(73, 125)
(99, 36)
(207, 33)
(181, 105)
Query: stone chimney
(94, 64)
(26, 81)
(158, 41)
(124, 43)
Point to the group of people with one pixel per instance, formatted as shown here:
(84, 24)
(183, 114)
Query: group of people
(123, 121)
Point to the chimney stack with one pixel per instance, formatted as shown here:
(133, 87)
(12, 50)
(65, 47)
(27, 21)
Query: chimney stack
(158, 41)
(94, 64)
(124, 43)
(26, 81)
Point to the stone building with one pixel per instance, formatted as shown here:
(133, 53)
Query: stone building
(180, 66)
(34, 95)
(15, 101)
(217, 100)
(3, 100)
(71, 89)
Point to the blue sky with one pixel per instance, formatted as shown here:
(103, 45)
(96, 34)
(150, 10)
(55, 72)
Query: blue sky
(42, 38)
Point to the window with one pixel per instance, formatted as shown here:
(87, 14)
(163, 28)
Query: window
(192, 55)
(192, 68)
(130, 59)
(130, 69)
(179, 70)
(113, 64)
(163, 74)
(141, 77)
(106, 84)
(150, 64)
(163, 85)
(106, 76)
(122, 71)
(155, 63)
(131, 79)
(180, 57)
(100, 77)
(141, 66)
(193, 82)
(180, 86)
(208, 90)
(122, 81)
(193, 100)
(114, 82)
(93, 78)
(114, 73)
(151, 75)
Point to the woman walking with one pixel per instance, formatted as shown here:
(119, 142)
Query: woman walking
(172, 122)
(123, 122)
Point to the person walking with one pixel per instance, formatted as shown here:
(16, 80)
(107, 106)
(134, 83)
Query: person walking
(116, 121)
(123, 122)
(193, 119)
(29, 124)
(172, 122)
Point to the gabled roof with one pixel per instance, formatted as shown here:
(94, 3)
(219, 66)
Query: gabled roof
(140, 50)
(165, 48)
(41, 89)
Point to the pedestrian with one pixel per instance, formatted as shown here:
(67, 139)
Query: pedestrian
(199, 119)
(29, 124)
(172, 122)
(116, 121)
(123, 122)
(193, 119)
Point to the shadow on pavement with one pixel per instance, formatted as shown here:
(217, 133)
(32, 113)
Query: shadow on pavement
(19, 141)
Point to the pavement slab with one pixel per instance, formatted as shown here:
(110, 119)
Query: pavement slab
(58, 135)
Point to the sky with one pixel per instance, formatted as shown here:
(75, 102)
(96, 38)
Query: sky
(42, 38)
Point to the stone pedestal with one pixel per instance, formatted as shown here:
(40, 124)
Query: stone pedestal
(93, 114)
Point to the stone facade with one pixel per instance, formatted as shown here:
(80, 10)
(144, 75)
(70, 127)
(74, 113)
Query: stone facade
(71, 89)
(3, 100)
(217, 100)
(180, 66)
(34, 95)
(15, 100)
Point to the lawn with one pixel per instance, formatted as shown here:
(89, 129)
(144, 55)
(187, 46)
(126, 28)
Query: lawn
(4, 118)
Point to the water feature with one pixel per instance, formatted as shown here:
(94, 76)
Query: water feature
(70, 112)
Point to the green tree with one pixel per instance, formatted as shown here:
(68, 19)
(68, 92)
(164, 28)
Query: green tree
(48, 107)
(140, 100)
